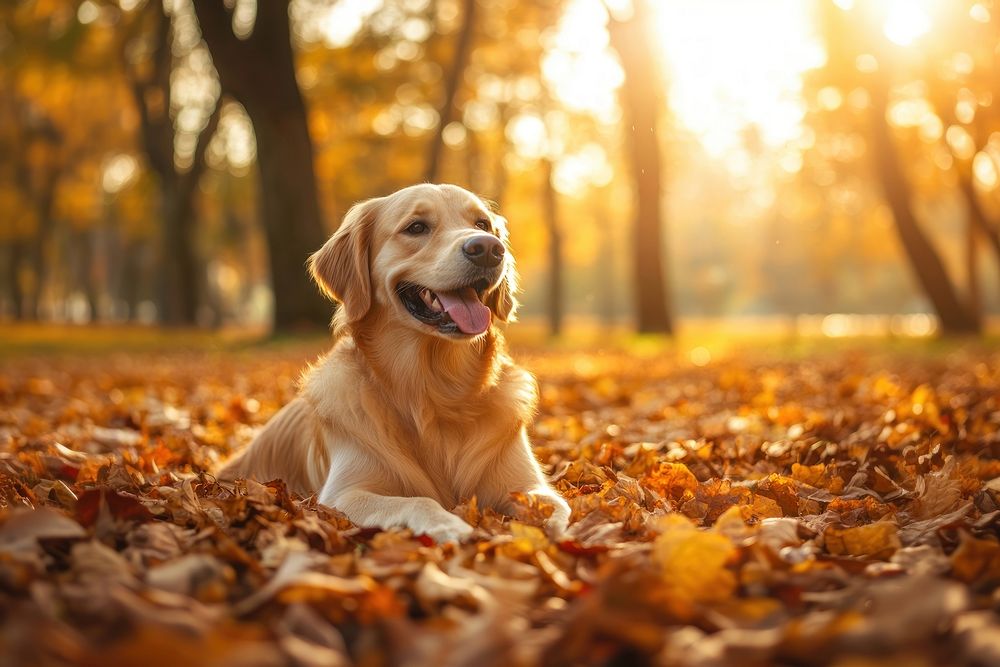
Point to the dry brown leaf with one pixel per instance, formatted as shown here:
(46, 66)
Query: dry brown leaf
(976, 561)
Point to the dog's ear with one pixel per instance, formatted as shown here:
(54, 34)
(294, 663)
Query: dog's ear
(341, 267)
(502, 300)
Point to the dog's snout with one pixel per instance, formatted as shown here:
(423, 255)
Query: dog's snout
(483, 250)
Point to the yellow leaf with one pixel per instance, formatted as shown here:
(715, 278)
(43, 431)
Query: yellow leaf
(762, 508)
(732, 524)
(693, 561)
(876, 540)
(527, 540)
(811, 475)
(924, 402)
(672, 480)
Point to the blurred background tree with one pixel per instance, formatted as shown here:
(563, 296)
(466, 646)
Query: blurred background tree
(825, 165)
(251, 46)
(152, 51)
(908, 92)
(643, 103)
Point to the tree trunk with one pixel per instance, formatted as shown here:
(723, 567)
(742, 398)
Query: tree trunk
(38, 262)
(642, 100)
(84, 242)
(15, 253)
(181, 270)
(181, 243)
(963, 171)
(259, 72)
(43, 201)
(954, 315)
(131, 277)
(179, 266)
(607, 301)
(39, 192)
(290, 211)
(550, 206)
(463, 46)
(977, 216)
(975, 296)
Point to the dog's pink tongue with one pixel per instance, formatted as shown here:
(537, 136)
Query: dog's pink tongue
(466, 310)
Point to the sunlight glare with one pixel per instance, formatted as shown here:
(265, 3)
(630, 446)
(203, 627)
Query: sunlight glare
(119, 172)
(344, 19)
(961, 142)
(234, 142)
(728, 74)
(527, 132)
(985, 170)
(730, 66)
(906, 21)
(88, 12)
(979, 13)
(587, 167)
(579, 66)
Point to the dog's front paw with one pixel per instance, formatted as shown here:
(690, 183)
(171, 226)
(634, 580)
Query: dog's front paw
(557, 524)
(445, 528)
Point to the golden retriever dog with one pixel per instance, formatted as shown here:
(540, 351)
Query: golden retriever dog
(417, 407)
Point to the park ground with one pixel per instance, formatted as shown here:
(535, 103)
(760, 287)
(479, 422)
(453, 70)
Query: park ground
(736, 501)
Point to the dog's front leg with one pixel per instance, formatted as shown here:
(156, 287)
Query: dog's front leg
(519, 471)
(421, 515)
(558, 521)
(372, 496)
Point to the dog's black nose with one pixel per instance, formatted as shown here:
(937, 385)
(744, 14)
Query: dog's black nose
(484, 250)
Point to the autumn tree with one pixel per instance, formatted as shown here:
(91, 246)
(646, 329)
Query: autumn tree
(866, 62)
(642, 99)
(955, 314)
(256, 67)
(59, 77)
(963, 98)
(452, 86)
(149, 65)
(33, 144)
(34, 156)
(555, 303)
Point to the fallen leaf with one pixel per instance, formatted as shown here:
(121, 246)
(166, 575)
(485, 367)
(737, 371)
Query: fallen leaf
(976, 561)
(693, 562)
(876, 540)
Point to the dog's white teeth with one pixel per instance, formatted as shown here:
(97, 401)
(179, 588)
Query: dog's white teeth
(430, 300)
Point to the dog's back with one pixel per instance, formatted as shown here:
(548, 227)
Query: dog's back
(288, 448)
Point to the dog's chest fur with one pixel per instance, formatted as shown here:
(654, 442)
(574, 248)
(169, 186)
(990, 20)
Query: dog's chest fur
(436, 434)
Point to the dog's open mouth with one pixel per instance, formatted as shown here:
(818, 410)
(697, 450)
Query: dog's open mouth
(459, 310)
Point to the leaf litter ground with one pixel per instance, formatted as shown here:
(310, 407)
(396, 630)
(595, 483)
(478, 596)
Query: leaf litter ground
(840, 510)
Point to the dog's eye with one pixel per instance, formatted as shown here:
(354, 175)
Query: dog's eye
(417, 227)
(483, 225)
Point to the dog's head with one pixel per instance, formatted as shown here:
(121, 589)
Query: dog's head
(433, 257)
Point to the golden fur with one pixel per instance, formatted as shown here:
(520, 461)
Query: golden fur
(399, 421)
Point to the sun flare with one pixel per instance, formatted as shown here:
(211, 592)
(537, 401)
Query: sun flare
(729, 66)
(906, 21)
(734, 65)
